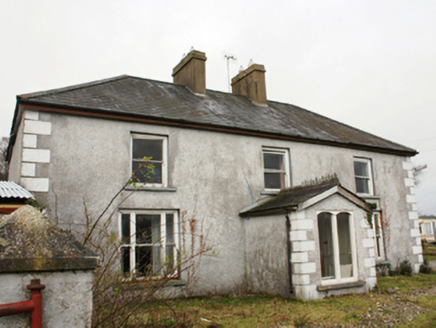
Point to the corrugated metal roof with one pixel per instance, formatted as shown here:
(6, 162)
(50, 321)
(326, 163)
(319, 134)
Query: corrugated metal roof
(133, 96)
(9, 189)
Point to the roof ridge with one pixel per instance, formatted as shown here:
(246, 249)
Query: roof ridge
(71, 87)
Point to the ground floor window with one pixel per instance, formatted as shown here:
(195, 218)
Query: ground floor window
(378, 235)
(149, 243)
(337, 251)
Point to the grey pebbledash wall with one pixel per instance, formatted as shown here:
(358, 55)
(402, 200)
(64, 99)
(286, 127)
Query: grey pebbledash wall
(212, 175)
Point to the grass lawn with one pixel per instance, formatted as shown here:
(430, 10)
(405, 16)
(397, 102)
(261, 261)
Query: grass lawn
(429, 251)
(398, 301)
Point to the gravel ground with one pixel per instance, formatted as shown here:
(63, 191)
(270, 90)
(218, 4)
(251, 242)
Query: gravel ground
(397, 308)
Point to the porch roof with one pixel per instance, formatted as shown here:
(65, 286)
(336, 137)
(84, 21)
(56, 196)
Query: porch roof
(301, 197)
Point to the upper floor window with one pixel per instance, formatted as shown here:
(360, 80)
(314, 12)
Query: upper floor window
(276, 168)
(155, 148)
(363, 176)
(149, 243)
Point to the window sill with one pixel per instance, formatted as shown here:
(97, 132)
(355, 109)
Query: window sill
(157, 189)
(138, 284)
(327, 288)
(367, 196)
(270, 192)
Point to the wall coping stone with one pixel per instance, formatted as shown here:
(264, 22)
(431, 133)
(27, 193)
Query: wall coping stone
(31, 242)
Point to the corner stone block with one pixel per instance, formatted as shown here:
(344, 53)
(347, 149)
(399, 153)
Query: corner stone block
(368, 242)
(299, 257)
(407, 166)
(37, 127)
(409, 182)
(415, 233)
(29, 141)
(410, 199)
(35, 184)
(373, 272)
(302, 225)
(371, 252)
(369, 262)
(417, 249)
(299, 235)
(303, 246)
(420, 258)
(413, 215)
(301, 279)
(28, 169)
(305, 268)
(36, 155)
(31, 115)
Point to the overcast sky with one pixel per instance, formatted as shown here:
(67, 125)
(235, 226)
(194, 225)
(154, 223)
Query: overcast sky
(370, 64)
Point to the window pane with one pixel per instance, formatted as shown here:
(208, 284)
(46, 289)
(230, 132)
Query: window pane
(170, 228)
(345, 254)
(125, 228)
(147, 260)
(274, 180)
(142, 174)
(326, 245)
(362, 186)
(143, 260)
(273, 161)
(169, 257)
(361, 169)
(147, 148)
(148, 229)
(125, 261)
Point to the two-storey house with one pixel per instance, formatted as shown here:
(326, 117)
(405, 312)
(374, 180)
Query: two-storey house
(291, 202)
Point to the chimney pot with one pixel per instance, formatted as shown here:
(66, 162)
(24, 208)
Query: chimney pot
(191, 72)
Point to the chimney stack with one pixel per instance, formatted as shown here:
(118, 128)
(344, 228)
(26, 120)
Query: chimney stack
(251, 83)
(191, 72)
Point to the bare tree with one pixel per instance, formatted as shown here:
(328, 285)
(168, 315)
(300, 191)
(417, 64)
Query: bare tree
(3, 165)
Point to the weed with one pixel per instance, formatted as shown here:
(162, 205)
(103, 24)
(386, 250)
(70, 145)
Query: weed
(301, 321)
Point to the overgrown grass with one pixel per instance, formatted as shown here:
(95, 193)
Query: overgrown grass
(429, 251)
(273, 311)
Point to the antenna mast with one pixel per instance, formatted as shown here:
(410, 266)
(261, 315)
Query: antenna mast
(228, 58)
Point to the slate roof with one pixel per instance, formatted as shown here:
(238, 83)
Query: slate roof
(289, 199)
(133, 96)
(9, 189)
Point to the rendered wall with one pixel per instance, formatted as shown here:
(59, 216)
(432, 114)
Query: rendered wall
(215, 175)
(67, 298)
(266, 242)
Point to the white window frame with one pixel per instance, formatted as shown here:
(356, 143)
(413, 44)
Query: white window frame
(286, 171)
(164, 158)
(370, 178)
(379, 248)
(163, 239)
(338, 279)
(428, 231)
